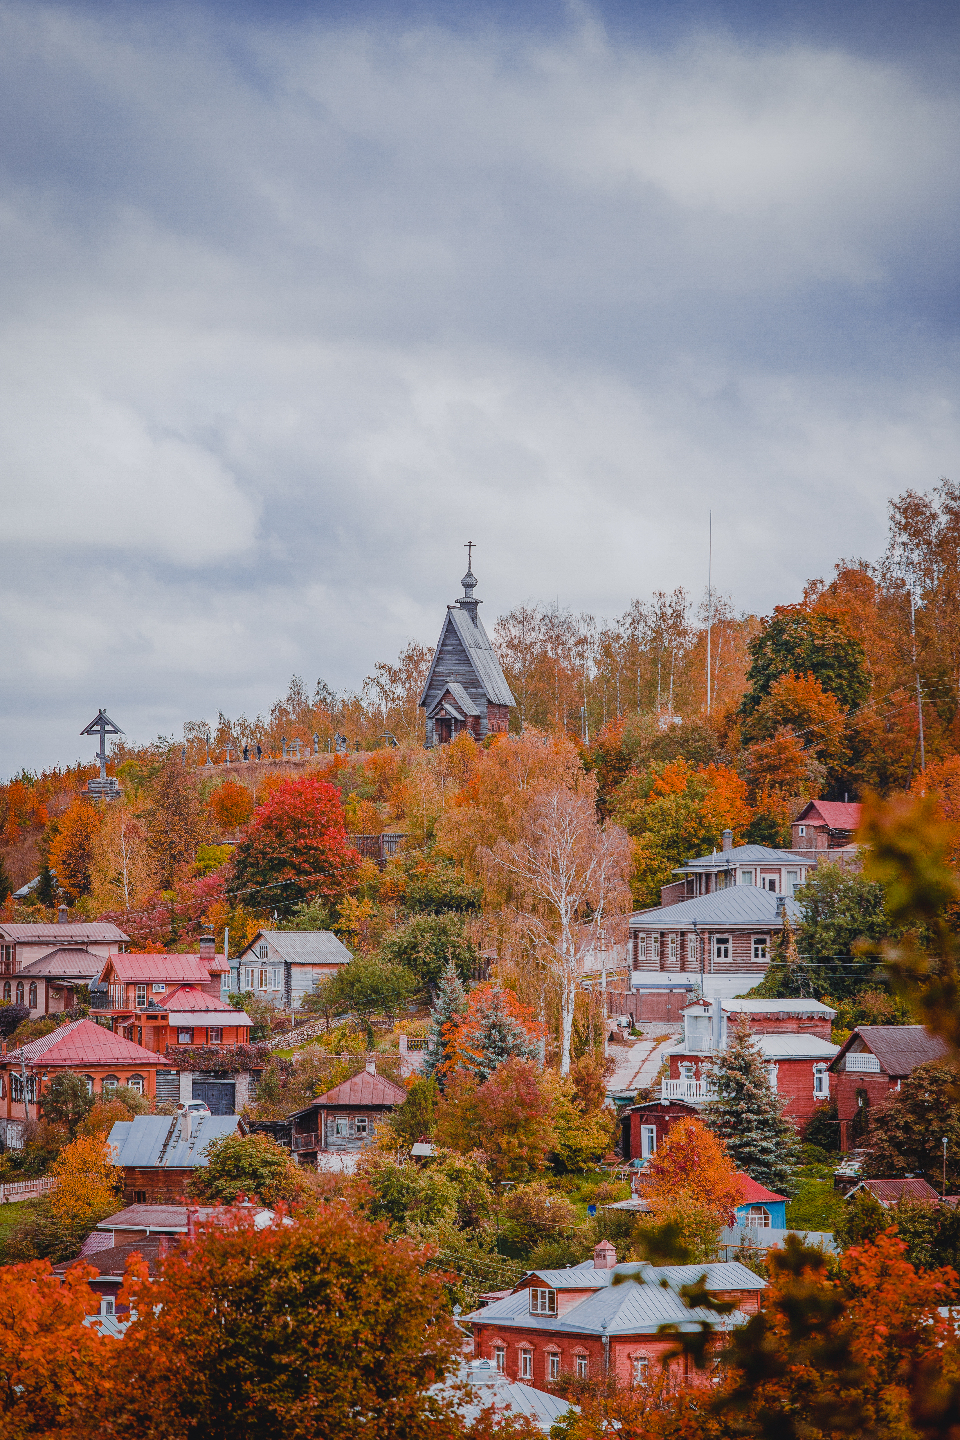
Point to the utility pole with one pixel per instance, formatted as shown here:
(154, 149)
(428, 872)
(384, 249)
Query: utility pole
(709, 599)
(916, 671)
(944, 1167)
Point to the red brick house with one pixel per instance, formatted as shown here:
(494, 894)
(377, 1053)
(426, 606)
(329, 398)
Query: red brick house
(643, 1128)
(793, 1037)
(871, 1065)
(825, 825)
(102, 1059)
(345, 1118)
(574, 1322)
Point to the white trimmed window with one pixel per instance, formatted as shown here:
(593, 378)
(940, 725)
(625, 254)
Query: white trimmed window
(263, 952)
(361, 1125)
(553, 1365)
(721, 947)
(648, 1141)
(759, 1217)
(543, 1302)
(801, 829)
(276, 979)
(673, 949)
(656, 947)
(136, 1083)
(641, 1369)
(821, 1082)
(215, 1034)
(759, 947)
(184, 1037)
(141, 997)
(746, 877)
(341, 1126)
(526, 1364)
(581, 1367)
(641, 947)
(500, 1358)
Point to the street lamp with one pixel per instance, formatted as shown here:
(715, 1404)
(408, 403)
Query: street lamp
(944, 1167)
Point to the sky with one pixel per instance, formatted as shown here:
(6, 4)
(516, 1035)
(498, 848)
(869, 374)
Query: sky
(295, 299)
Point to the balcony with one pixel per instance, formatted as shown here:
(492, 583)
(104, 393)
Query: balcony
(696, 1091)
(306, 1142)
(863, 1062)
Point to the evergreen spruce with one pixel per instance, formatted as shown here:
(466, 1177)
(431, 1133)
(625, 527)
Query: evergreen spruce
(6, 885)
(494, 1037)
(747, 1115)
(451, 1005)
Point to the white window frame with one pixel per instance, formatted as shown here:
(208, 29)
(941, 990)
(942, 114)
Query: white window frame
(656, 947)
(543, 1301)
(642, 947)
(648, 1141)
(582, 1367)
(215, 1034)
(184, 1036)
(341, 1127)
(499, 1358)
(761, 947)
(361, 1125)
(724, 942)
(821, 1082)
(641, 1369)
(801, 829)
(136, 1083)
(758, 1216)
(747, 877)
(263, 952)
(141, 997)
(526, 1364)
(276, 978)
(673, 948)
(553, 1365)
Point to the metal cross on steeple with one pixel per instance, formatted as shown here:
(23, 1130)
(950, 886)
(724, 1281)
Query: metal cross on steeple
(469, 549)
(103, 726)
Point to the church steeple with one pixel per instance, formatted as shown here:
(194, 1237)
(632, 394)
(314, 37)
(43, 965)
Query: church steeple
(469, 583)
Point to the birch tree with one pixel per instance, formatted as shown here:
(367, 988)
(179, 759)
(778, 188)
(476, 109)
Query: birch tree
(569, 878)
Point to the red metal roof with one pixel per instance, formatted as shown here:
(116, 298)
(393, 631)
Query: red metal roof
(188, 997)
(888, 1192)
(835, 813)
(363, 1089)
(753, 1193)
(168, 969)
(83, 1042)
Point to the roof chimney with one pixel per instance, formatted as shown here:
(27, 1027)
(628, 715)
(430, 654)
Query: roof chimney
(63, 915)
(208, 947)
(371, 1065)
(781, 906)
(604, 1256)
(727, 841)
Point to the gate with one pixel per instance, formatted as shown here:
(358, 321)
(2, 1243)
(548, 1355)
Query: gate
(220, 1095)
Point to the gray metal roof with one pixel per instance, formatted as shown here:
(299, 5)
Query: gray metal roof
(161, 1140)
(490, 1387)
(56, 934)
(638, 1306)
(480, 653)
(737, 905)
(743, 855)
(462, 698)
(303, 947)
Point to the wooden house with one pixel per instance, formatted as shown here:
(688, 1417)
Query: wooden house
(871, 1064)
(779, 871)
(103, 1060)
(284, 965)
(49, 985)
(345, 1118)
(825, 825)
(164, 1000)
(159, 1153)
(21, 943)
(466, 692)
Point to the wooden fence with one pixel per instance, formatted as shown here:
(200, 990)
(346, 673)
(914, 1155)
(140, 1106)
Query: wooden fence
(26, 1189)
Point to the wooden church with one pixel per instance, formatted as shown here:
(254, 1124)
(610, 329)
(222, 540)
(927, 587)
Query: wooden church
(466, 690)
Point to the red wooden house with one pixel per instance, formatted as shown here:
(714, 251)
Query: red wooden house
(871, 1065)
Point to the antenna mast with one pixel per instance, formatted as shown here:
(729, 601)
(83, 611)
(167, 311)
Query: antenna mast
(709, 599)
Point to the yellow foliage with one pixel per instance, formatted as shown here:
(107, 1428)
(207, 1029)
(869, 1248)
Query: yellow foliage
(86, 1182)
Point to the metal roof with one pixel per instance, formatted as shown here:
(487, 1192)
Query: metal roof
(190, 997)
(152, 1217)
(303, 947)
(888, 1192)
(462, 698)
(639, 1305)
(83, 1042)
(737, 905)
(480, 653)
(743, 855)
(166, 969)
(899, 1048)
(70, 961)
(56, 934)
(787, 1006)
(160, 1141)
(836, 814)
(367, 1088)
(489, 1386)
(187, 1018)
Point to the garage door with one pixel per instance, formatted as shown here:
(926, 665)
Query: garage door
(219, 1095)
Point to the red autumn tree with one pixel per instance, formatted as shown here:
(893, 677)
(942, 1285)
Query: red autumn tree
(295, 849)
(319, 1328)
(509, 1117)
(231, 805)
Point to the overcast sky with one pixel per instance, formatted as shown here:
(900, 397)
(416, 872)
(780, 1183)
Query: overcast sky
(296, 299)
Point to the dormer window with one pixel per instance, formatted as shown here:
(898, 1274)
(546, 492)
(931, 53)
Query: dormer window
(543, 1302)
(263, 952)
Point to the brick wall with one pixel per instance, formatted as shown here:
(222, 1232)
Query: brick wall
(794, 1083)
(844, 1087)
(543, 1343)
(663, 1005)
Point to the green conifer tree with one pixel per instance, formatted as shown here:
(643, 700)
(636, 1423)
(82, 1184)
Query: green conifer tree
(495, 1037)
(747, 1115)
(6, 885)
(451, 1004)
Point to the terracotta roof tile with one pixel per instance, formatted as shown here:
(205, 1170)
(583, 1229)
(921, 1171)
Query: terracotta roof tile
(363, 1089)
(83, 1042)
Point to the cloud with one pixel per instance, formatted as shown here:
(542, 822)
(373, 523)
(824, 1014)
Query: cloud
(292, 311)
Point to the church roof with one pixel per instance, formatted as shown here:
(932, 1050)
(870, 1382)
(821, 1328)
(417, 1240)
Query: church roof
(480, 653)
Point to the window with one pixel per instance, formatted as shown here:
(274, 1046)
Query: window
(3, 1089)
(543, 1302)
(648, 1141)
(139, 1197)
(758, 1216)
(641, 1369)
(746, 877)
(263, 952)
(821, 1082)
(184, 1037)
(19, 992)
(88, 1081)
(360, 1125)
(215, 1035)
(32, 997)
(141, 997)
(110, 1082)
(341, 1126)
(641, 947)
(158, 989)
(500, 1358)
(673, 949)
(136, 1083)
(768, 882)
(16, 1087)
(107, 1305)
(581, 1367)
(656, 947)
(772, 1077)
(248, 981)
(7, 992)
(759, 947)
(526, 1364)
(792, 876)
(262, 985)
(801, 829)
(276, 979)
(721, 947)
(686, 1071)
(693, 948)
(553, 1366)
(32, 1087)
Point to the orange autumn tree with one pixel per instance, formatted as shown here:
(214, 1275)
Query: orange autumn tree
(494, 1027)
(231, 805)
(692, 1183)
(74, 850)
(86, 1189)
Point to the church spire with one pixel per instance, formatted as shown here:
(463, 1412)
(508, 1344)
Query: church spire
(469, 583)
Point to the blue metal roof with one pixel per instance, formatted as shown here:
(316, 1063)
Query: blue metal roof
(744, 855)
(737, 905)
(161, 1140)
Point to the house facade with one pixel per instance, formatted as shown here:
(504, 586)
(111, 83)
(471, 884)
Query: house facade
(871, 1065)
(283, 966)
(158, 1154)
(644, 1127)
(466, 692)
(49, 985)
(103, 1060)
(779, 871)
(793, 1036)
(725, 932)
(163, 1000)
(574, 1322)
(345, 1118)
(20, 944)
(825, 825)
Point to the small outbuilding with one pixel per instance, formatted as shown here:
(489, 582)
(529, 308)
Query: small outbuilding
(346, 1117)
